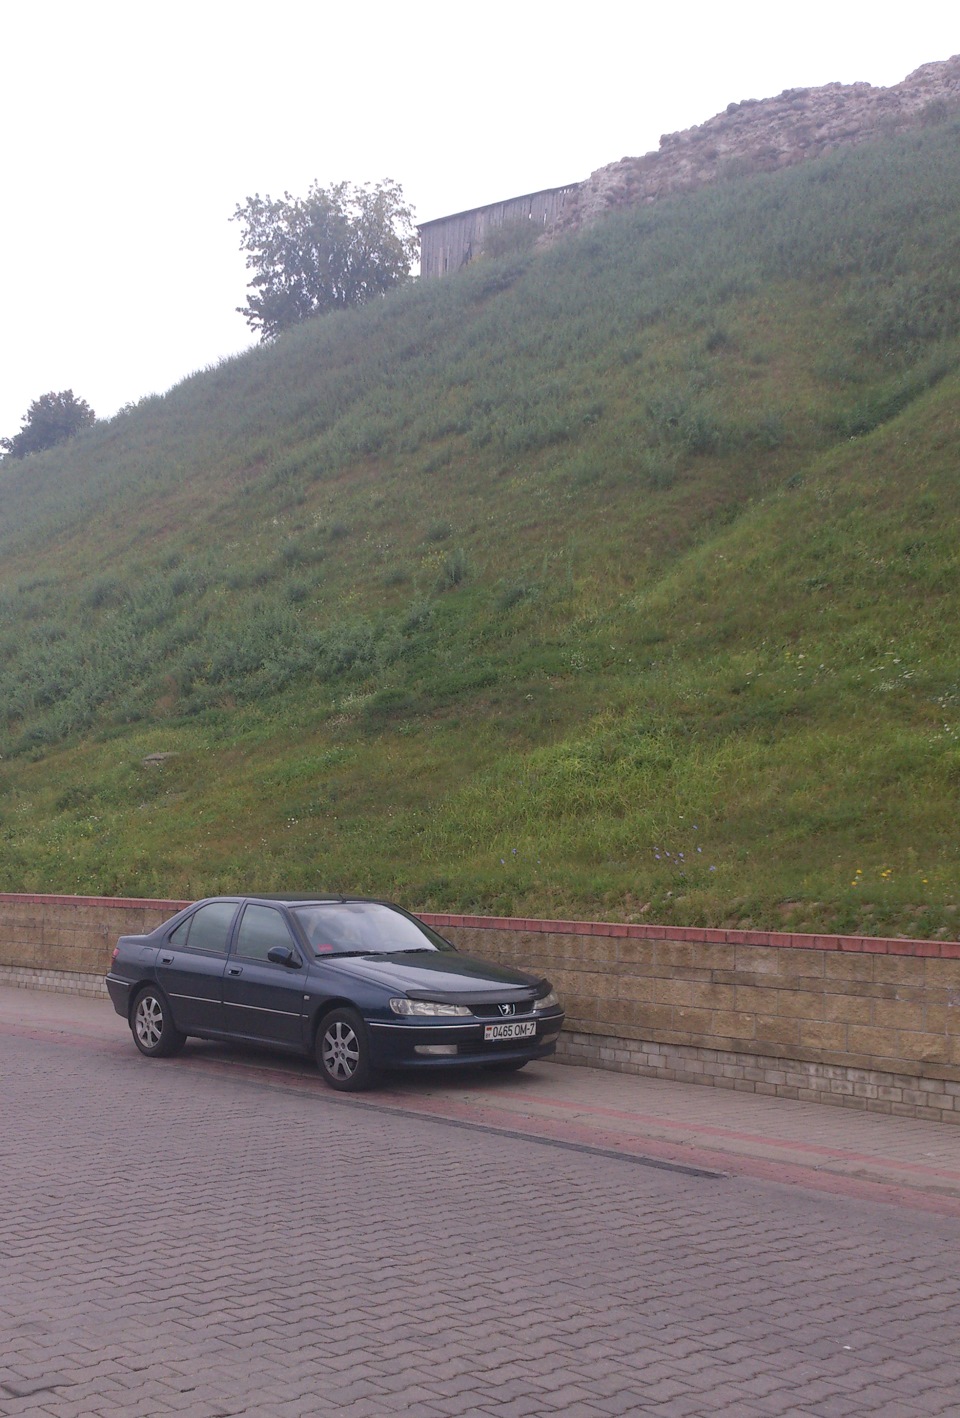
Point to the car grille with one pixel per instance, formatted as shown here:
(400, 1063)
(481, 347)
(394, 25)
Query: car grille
(521, 1008)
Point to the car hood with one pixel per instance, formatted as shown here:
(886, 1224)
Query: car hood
(443, 974)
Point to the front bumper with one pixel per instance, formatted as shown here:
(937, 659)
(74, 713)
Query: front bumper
(445, 1044)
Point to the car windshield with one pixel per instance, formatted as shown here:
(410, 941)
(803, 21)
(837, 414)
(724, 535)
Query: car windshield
(362, 928)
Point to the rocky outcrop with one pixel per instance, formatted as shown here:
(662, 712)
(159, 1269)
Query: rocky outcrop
(760, 135)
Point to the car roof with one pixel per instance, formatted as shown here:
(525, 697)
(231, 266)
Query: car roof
(300, 899)
(289, 899)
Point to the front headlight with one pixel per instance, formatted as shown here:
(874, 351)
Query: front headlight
(549, 1001)
(427, 1007)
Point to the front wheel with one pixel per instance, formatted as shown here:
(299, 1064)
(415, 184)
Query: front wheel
(343, 1053)
(154, 1032)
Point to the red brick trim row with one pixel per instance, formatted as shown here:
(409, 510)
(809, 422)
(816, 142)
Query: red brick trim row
(869, 945)
(107, 902)
(873, 945)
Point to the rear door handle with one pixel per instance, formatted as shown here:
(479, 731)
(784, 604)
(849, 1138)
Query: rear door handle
(166, 960)
(234, 969)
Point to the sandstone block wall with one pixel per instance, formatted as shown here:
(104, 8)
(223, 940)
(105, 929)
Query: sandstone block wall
(848, 1020)
(52, 936)
(841, 1000)
(853, 1021)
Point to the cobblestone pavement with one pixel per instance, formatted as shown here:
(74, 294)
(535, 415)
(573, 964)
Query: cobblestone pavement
(213, 1235)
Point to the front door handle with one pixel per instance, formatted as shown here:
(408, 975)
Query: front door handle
(234, 969)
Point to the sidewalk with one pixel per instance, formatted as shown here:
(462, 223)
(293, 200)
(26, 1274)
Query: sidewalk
(844, 1151)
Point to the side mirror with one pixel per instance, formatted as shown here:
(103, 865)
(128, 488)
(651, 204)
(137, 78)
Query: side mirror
(283, 955)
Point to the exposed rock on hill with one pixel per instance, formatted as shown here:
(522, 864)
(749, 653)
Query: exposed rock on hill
(761, 135)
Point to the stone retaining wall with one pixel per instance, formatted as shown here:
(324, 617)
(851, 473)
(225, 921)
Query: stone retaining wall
(853, 1021)
(766, 134)
(755, 135)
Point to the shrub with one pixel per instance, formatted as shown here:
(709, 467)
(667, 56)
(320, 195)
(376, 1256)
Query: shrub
(107, 591)
(511, 238)
(511, 596)
(297, 590)
(716, 340)
(395, 576)
(454, 570)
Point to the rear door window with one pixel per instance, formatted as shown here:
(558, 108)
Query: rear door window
(207, 929)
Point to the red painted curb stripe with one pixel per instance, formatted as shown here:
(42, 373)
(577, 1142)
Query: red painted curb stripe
(567, 1130)
(839, 1154)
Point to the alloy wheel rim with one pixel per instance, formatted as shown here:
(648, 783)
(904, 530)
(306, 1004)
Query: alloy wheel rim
(149, 1022)
(341, 1051)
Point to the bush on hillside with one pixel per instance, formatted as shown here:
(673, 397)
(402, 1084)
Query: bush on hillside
(51, 419)
(332, 249)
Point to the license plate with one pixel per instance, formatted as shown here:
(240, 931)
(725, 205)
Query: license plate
(510, 1031)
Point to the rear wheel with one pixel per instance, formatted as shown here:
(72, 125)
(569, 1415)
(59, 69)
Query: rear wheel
(343, 1053)
(154, 1032)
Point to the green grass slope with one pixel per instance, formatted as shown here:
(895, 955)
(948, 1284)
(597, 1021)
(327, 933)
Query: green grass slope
(616, 580)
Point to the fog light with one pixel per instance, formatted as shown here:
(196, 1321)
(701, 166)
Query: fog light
(444, 1049)
(549, 1038)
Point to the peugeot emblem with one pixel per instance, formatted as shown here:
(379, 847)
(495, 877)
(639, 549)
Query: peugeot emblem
(507, 1008)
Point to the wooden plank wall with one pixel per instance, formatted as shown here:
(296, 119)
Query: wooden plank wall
(450, 243)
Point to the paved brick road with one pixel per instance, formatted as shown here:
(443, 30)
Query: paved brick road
(192, 1241)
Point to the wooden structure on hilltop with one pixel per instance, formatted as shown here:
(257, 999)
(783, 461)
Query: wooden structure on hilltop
(450, 243)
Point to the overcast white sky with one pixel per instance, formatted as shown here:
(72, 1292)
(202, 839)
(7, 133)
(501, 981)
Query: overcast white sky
(130, 131)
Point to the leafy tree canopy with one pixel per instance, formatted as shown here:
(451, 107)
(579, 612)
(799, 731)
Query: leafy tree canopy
(51, 419)
(336, 247)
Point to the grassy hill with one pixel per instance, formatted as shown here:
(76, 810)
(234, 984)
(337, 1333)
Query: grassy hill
(618, 580)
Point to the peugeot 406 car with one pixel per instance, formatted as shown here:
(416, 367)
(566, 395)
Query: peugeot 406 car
(361, 985)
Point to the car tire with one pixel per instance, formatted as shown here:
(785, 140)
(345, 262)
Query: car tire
(343, 1051)
(152, 1026)
(508, 1066)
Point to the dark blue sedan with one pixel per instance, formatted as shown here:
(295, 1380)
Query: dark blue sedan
(361, 985)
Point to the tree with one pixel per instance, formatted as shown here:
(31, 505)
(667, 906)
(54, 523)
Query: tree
(334, 248)
(51, 419)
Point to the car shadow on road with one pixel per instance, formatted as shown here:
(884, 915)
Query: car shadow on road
(408, 1086)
